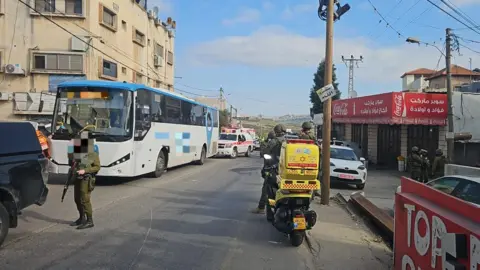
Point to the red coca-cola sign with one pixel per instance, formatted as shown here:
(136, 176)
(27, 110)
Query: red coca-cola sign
(340, 109)
(392, 108)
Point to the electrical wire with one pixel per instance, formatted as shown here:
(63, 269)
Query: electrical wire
(199, 89)
(93, 35)
(468, 48)
(459, 12)
(411, 7)
(11, 42)
(455, 18)
(87, 43)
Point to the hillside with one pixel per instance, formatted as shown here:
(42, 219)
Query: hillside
(263, 126)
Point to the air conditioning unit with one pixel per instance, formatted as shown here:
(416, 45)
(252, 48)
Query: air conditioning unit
(4, 96)
(78, 44)
(14, 69)
(158, 60)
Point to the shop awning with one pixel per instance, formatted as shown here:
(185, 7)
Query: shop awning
(392, 108)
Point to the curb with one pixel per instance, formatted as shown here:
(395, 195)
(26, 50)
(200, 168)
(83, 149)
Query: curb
(378, 216)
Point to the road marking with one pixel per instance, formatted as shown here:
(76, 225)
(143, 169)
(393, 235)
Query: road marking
(144, 240)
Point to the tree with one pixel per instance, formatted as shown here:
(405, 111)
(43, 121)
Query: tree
(318, 82)
(224, 118)
(476, 70)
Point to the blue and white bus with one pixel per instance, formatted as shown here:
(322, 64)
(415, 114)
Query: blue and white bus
(138, 129)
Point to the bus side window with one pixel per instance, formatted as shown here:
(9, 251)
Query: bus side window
(158, 108)
(143, 113)
(187, 113)
(197, 115)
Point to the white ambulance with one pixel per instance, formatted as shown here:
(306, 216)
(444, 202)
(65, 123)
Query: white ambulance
(234, 142)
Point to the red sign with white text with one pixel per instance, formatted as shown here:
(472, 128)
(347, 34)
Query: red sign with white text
(392, 108)
(434, 230)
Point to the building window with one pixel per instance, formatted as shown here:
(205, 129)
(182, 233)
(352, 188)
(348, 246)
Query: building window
(138, 78)
(138, 37)
(158, 84)
(109, 69)
(73, 7)
(45, 6)
(45, 62)
(170, 58)
(107, 18)
(124, 70)
(159, 50)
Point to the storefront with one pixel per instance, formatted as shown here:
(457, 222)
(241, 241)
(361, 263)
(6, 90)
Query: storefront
(389, 125)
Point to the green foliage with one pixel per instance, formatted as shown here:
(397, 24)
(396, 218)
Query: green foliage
(319, 82)
(224, 118)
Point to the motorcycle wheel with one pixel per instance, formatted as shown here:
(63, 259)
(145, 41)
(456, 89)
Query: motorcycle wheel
(296, 238)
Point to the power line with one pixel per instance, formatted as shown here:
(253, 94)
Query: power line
(87, 43)
(399, 17)
(385, 20)
(94, 35)
(458, 11)
(468, 48)
(196, 88)
(455, 18)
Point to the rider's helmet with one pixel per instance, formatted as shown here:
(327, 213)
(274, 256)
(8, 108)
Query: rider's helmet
(307, 125)
(415, 149)
(271, 135)
(439, 152)
(279, 129)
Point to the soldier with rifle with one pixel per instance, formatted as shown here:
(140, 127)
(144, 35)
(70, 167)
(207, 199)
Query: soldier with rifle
(85, 164)
(425, 168)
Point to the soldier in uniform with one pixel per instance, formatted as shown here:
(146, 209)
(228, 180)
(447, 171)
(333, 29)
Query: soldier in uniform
(415, 164)
(273, 148)
(86, 166)
(438, 166)
(307, 133)
(270, 136)
(425, 166)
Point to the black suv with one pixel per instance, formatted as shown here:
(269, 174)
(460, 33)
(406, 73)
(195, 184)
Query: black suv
(23, 172)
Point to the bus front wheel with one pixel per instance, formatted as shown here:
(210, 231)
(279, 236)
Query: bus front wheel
(160, 165)
(203, 156)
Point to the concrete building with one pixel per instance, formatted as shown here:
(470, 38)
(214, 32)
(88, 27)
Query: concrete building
(75, 40)
(460, 75)
(416, 80)
(220, 104)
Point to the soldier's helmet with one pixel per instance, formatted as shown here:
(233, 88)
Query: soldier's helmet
(307, 125)
(271, 135)
(415, 149)
(439, 152)
(279, 129)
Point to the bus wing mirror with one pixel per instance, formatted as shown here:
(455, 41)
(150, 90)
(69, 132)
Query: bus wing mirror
(40, 106)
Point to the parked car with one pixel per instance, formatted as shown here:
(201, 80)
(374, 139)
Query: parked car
(465, 188)
(23, 173)
(346, 167)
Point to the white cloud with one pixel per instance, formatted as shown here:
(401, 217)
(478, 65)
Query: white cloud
(165, 6)
(293, 11)
(246, 15)
(267, 5)
(273, 47)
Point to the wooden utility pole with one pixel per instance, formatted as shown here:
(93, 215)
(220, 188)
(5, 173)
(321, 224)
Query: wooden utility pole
(450, 133)
(327, 108)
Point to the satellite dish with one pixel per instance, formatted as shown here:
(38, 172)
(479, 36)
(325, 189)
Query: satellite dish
(352, 94)
(155, 12)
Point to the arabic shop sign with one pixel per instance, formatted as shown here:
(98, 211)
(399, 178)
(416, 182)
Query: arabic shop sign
(392, 108)
(434, 247)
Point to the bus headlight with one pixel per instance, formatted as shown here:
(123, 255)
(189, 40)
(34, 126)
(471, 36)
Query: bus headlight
(120, 160)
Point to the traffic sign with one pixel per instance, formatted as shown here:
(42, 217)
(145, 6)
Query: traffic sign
(326, 92)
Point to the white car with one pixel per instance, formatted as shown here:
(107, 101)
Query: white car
(232, 144)
(346, 167)
(466, 188)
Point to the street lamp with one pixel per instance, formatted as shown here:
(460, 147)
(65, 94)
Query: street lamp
(417, 41)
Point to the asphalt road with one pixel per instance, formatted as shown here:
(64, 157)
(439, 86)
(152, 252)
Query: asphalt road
(194, 217)
(379, 189)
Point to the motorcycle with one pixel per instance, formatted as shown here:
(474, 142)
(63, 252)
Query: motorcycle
(291, 188)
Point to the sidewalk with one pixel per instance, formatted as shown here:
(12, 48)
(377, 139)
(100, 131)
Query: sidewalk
(340, 242)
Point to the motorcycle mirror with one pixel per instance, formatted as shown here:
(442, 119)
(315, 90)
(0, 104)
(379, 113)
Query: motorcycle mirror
(267, 156)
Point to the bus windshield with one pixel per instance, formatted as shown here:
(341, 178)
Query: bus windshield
(104, 111)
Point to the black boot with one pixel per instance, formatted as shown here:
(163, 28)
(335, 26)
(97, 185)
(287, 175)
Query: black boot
(79, 221)
(87, 224)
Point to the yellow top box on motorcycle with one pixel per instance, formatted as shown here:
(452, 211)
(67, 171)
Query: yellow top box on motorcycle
(299, 160)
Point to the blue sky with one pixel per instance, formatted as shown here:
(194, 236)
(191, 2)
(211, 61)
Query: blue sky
(264, 53)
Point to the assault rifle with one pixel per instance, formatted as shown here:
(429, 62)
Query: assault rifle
(70, 178)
